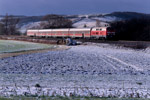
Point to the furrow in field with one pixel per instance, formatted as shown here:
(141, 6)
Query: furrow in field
(109, 63)
(123, 63)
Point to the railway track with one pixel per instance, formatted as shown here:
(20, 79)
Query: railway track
(130, 44)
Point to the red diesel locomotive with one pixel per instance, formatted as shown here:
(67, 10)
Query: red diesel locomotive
(96, 32)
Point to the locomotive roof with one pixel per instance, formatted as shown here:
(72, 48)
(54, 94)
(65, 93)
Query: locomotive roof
(100, 27)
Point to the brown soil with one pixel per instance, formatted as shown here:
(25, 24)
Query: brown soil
(30, 39)
(5, 55)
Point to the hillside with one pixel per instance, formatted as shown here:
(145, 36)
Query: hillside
(79, 21)
(129, 15)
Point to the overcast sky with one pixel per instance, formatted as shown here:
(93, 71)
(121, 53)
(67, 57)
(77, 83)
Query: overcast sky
(42, 7)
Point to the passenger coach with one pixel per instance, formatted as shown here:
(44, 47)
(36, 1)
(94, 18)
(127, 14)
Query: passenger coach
(96, 32)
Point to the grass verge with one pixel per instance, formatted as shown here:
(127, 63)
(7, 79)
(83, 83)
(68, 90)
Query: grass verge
(10, 46)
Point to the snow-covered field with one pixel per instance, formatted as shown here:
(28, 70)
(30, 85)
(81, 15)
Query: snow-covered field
(99, 70)
(89, 23)
(107, 19)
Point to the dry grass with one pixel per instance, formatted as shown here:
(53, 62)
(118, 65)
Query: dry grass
(5, 55)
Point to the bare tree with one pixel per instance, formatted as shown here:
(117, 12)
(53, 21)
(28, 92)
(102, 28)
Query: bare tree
(98, 23)
(56, 21)
(85, 25)
(4, 22)
(1, 29)
(10, 24)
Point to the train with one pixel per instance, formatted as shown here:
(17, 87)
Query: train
(95, 32)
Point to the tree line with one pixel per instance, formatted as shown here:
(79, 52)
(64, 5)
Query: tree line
(55, 21)
(8, 25)
(137, 29)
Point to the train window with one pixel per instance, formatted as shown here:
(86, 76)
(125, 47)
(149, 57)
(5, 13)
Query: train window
(100, 29)
(96, 32)
(97, 29)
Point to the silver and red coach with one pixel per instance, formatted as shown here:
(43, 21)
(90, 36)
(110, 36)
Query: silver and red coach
(96, 32)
